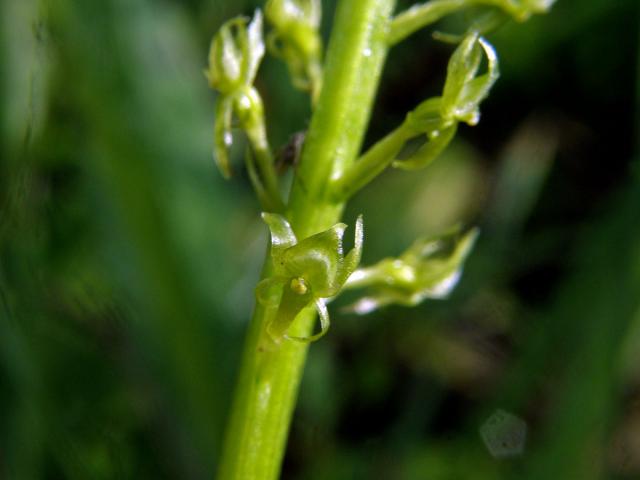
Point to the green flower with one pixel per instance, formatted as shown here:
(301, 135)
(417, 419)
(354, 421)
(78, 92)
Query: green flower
(464, 89)
(235, 54)
(234, 58)
(296, 39)
(430, 268)
(305, 273)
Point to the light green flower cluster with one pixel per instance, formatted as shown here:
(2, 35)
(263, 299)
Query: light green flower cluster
(306, 273)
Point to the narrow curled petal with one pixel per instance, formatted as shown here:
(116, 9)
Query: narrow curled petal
(352, 260)
(323, 315)
(255, 48)
(282, 236)
(462, 68)
(235, 54)
(476, 90)
(225, 58)
(463, 91)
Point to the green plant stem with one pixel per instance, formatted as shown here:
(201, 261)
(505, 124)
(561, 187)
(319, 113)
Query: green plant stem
(420, 16)
(270, 372)
(267, 184)
(371, 163)
(269, 180)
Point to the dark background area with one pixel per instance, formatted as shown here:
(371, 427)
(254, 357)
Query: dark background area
(127, 264)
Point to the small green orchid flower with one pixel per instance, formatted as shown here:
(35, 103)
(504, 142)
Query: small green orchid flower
(463, 91)
(235, 54)
(296, 39)
(306, 273)
(234, 58)
(430, 268)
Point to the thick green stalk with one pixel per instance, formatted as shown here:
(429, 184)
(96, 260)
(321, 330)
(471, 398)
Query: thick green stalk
(270, 372)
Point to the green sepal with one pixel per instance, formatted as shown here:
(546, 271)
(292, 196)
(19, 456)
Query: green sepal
(430, 268)
(235, 54)
(462, 68)
(316, 258)
(352, 260)
(282, 236)
(254, 48)
(463, 104)
(463, 90)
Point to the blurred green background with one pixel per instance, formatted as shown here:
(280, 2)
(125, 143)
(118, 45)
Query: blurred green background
(127, 264)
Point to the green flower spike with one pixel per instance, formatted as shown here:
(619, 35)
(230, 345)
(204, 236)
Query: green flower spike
(234, 57)
(463, 91)
(296, 39)
(430, 268)
(305, 273)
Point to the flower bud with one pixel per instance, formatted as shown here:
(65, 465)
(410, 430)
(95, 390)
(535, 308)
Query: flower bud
(296, 38)
(463, 90)
(305, 272)
(235, 54)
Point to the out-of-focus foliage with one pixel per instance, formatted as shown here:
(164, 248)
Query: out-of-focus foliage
(127, 265)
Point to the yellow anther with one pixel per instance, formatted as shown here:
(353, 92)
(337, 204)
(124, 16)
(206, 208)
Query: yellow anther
(299, 286)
